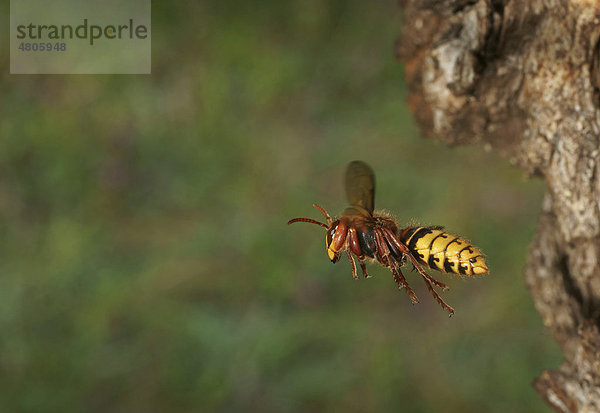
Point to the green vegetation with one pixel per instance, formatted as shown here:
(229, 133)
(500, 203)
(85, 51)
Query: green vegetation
(145, 260)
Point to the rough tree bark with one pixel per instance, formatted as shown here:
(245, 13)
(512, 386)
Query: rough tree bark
(523, 77)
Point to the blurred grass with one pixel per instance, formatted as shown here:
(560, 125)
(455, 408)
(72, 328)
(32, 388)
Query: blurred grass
(145, 260)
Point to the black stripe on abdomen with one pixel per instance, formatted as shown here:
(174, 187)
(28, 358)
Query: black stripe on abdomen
(418, 234)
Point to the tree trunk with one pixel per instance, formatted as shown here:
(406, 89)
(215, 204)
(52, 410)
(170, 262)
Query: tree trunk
(524, 78)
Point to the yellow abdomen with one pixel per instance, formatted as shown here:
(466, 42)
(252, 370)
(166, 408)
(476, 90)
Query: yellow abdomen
(437, 249)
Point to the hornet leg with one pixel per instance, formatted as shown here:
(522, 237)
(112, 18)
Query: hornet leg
(393, 266)
(364, 268)
(351, 258)
(391, 238)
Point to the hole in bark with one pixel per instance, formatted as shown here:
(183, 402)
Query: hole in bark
(595, 74)
(498, 6)
(491, 48)
(462, 4)
(570, 286)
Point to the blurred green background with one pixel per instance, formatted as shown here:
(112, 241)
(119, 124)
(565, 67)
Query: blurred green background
(146, 264)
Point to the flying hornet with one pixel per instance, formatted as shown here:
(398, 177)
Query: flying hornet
(374, 236)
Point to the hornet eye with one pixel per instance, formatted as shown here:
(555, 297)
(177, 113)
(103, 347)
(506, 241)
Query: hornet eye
(330, 233)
